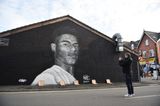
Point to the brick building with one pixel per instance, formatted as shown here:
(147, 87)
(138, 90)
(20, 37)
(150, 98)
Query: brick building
(148, 48)
(158, 50)
(132, 45)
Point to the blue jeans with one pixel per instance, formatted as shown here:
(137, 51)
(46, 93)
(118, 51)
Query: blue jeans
(128, 80)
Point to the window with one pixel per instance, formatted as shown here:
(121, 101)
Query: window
(140, 52)
(144, 54)
(146, 42)
(151, 53)
(132, 46)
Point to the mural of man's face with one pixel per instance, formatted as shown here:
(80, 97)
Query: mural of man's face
(66, 49)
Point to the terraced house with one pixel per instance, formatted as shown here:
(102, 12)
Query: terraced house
(149, 48)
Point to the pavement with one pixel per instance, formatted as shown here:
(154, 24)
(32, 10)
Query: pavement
(149, 80)
(145, 96)
(20, 88)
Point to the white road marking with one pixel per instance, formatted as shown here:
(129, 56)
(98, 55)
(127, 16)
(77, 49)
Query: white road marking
(139, 97)
(73, 90)
(58, 91)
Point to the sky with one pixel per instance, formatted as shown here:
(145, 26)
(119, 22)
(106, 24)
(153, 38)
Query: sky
(127, 17)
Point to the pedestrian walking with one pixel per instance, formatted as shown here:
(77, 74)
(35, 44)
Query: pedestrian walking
(125, 62)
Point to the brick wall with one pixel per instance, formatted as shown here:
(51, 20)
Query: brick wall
(158, 50)
(143, 47)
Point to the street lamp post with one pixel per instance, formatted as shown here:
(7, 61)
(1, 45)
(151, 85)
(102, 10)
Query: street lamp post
(119, 46)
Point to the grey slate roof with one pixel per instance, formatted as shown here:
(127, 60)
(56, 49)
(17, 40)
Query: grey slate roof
(128, 44)
(155, 36)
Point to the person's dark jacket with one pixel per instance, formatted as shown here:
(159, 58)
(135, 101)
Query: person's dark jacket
(126, 65)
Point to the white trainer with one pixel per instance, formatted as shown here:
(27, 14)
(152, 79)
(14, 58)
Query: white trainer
(127, 95)
(133, 94)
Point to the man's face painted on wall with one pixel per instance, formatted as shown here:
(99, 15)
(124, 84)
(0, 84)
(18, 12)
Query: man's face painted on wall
(66, 49)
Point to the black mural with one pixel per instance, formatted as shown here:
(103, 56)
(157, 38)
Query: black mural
(66, 49)
(60, 51)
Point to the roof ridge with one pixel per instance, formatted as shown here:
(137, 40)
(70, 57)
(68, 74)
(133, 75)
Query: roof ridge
(51, 21)
(8, 32)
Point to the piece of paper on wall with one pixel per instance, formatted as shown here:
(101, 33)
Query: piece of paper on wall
(76, 82)
(94, 81)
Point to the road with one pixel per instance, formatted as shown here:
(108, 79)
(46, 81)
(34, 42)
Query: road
(145, 96)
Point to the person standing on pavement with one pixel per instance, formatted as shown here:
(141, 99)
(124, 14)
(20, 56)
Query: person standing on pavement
(125, 63)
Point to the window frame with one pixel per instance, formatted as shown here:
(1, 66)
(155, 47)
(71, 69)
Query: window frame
(146, 42)
(144, 54)
(151, 53)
